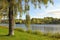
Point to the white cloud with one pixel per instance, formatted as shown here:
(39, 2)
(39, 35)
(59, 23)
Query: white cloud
(55, 13)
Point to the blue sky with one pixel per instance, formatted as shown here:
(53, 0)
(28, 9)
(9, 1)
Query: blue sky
(50, 11)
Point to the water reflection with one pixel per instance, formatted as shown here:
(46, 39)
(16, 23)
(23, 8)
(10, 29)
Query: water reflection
(42, 27)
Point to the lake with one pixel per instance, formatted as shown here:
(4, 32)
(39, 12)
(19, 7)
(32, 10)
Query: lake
(40, 27)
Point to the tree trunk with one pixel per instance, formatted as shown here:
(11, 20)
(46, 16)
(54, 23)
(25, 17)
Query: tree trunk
(11, 19)
(28, 21)
(0, 20)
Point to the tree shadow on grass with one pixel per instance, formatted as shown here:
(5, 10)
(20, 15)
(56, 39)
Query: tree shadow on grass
(3, 35)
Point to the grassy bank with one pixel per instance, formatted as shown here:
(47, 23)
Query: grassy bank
(23, 35)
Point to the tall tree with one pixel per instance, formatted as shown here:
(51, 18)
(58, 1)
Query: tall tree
(1, 15)
(27, 23)
(21, 8)
(11, 17)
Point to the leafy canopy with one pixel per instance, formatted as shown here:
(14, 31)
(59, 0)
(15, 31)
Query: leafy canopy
(23, 5)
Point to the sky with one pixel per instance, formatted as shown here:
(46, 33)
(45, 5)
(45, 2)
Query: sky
(50, 11)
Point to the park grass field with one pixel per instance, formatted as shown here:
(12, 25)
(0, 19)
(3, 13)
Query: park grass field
(20, 35)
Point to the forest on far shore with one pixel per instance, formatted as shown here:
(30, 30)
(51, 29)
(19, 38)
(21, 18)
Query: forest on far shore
(45, 20)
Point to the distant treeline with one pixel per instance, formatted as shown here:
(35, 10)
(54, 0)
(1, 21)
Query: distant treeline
(45, 20)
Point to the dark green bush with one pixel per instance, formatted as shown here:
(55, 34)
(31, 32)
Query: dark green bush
(48, 34)
(56, 35)
(29, 31)
(37, 33)
(20, 29)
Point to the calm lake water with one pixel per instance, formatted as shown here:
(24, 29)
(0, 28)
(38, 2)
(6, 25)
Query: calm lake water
(40, 27)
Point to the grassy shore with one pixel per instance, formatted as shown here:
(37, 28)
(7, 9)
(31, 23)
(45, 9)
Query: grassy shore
(23, 35)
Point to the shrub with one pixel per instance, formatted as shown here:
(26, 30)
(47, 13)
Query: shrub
(29, 31)
(37, 33)
(48, 34)
(56, 35)
(20, 29)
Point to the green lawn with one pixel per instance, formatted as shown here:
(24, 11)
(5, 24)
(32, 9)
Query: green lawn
(21, 35)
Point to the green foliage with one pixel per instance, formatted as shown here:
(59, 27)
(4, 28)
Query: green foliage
(56, 35)
(48, 20)
(45, 1)
(48, 34)
(21, 7)
(27, 22)
(20, 29)
(45, 20)
(29, 31)
(38, 33)
(19, 4)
